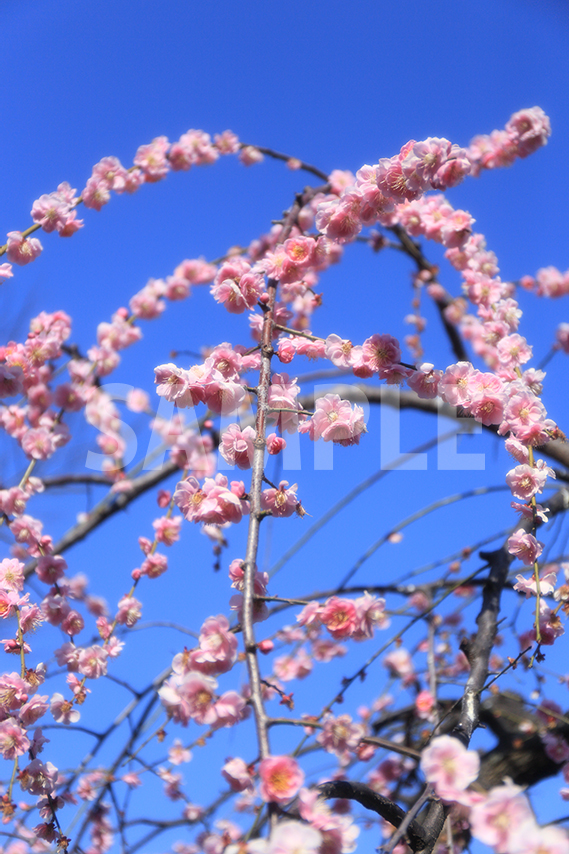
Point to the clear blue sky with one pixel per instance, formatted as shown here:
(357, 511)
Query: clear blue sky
(338, 85)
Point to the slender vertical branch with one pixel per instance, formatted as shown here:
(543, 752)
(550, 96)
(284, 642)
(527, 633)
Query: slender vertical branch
(257, 474)
(255, 518)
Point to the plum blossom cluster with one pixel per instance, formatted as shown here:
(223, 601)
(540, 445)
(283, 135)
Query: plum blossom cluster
(419, 166)
(347, 618)
(28, 369)
(342, 737)
(548, 282)
(216, 502)
(21, 706)
(502, 817)
(167, 532)
(223, 393)
(525, 132)
(507, 396)
(335, 420)
(280, 780)
(385, 193)
(189, 694)
(57, 211)
(190, 691)
(319, 830)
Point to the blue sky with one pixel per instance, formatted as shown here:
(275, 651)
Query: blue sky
(335, 84)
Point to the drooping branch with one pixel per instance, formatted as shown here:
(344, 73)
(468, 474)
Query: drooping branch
(556, 449)
(371, 800)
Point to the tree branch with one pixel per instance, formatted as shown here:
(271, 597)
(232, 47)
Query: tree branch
(376, 803)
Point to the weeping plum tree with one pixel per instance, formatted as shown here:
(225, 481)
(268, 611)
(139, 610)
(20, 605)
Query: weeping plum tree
(279, 768)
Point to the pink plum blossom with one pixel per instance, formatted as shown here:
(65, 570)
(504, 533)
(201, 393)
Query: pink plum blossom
(282, 396)
(293, 837)
(194, 148)
(92, 662)
(63, 710)
(5, 272)
(188, 696)
(33, 710)
(281, 502)
(370, 612)
(400, 664)
(525, 481)
(275, 444)
(525, 547)
(237, 286)
(236, 446)
(425, 380)
(340, 735)
(130, 611)
(11, 574)
(52, 211)
(213, 503)
(217, 647)
(281, 778)
(335, 420)
(496, 818)
(229, 709)
(167, 529)
(249, 155)
(38, 778)
(529, 129)
(238, 775)
(528, 586)
(529, 838)
(178, 754)
(152, 159)
(339, 616)
(13, 739)
(226, 142)
(449, 766)
(154, 566)
(381, 352)
(289, 667)
(22, 250)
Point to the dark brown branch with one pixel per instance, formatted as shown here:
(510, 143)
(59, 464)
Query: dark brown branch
(479, 655)
(277, 155)
(66, 479)
(414, 251)
(376, 803)
(481, 646)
